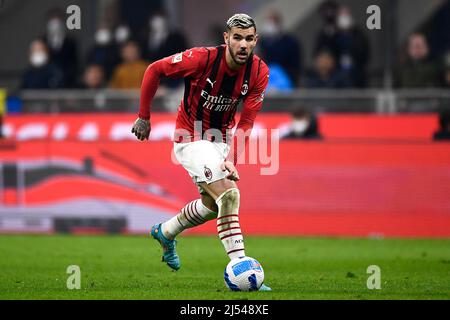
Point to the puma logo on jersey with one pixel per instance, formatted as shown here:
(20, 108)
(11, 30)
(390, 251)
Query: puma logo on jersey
(210, 82)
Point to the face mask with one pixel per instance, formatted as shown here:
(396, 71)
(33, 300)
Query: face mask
(158, 32)
(300, 126)
(38, 59)
(122, 34)
(270, 28)
(344, 21)
(103, 37)
(158, 24)
(55, 27)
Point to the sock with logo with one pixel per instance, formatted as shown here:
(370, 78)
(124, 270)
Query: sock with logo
(228, 223)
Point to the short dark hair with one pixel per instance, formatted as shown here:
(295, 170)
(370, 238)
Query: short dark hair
(241, 20)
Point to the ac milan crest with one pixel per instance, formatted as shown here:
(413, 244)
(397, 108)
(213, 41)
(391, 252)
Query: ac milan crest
(244, 89)
(208, 173)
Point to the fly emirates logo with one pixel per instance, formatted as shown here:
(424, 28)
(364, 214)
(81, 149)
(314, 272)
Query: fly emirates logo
(218, 103)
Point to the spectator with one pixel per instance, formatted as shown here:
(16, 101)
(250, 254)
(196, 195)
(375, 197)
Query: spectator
(326, 39)
(326, 74)
(62, 48)
(104, 52)
(304, 126)
(419, 70)
(42, 73)
(135, 13)
(161, 41)
(444, 123)
(446, 71)
(352, 48)
(447, 78)
(130, 73)
(93, 77)
(122, 34)
(279, 80)
(279, 48)
(438, 30)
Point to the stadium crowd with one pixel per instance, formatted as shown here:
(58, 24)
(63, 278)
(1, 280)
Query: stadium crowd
(119, 57)
(123, 49)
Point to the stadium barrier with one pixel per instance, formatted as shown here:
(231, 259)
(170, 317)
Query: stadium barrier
(318, 100)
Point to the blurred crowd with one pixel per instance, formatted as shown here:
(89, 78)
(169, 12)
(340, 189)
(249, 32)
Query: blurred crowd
(342, 54)
(119, 58)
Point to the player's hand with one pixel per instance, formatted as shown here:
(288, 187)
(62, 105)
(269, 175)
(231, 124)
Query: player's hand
(141, 129)
(233, 173)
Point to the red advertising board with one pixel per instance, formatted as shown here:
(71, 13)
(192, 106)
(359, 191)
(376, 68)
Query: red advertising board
(116, 127)
(331, 187)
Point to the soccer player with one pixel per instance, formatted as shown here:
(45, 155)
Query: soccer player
(216, 80)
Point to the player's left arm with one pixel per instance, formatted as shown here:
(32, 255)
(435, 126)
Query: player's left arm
(252, 104)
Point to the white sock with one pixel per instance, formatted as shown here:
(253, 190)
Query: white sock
(193, 214)
(228, 223)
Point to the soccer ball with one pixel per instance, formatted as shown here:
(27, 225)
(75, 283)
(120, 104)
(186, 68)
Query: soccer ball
(244, 274)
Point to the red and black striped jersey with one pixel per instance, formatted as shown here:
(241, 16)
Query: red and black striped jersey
(212, 91)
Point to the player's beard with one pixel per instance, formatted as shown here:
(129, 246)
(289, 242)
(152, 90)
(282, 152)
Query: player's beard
(234, 57)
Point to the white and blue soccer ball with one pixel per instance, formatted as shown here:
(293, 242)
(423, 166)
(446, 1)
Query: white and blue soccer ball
(244, 274)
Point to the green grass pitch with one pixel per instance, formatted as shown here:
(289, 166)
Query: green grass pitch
(129, 267)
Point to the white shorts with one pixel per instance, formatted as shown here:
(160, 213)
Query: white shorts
(202, 160)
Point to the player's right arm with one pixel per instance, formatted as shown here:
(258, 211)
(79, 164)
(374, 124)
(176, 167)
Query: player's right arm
(185, 64)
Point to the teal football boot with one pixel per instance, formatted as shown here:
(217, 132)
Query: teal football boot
(170, 255)
(264, 288)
